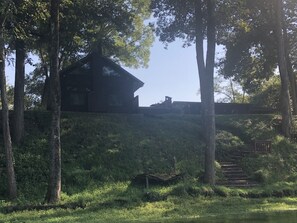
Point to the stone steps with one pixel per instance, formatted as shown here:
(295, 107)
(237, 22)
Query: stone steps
(234, 176)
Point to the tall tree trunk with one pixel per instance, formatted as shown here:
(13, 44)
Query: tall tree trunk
(45, 97)
(12, 188)
(18, 129)
(207, 84)
(54, 187)
(282, 63)
(292, 77)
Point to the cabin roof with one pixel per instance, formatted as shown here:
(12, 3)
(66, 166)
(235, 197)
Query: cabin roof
(136, 82)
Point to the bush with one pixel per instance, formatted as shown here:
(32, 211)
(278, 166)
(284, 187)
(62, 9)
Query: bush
(222, 191)
(227, 144)
(261, 176)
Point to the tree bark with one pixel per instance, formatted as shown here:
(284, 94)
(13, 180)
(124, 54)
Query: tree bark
(12, 187)
(207, 84)
(54, 187)
(45, 97)
(282, 64)
(18, 129)
(292, 77)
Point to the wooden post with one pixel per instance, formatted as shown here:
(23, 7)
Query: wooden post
(146, 182)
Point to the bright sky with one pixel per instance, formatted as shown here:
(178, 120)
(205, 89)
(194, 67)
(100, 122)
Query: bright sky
(172, 72)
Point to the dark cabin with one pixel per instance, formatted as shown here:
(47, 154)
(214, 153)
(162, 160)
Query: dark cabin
(97, 84)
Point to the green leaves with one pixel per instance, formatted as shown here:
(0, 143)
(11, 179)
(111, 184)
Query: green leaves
(115, 26)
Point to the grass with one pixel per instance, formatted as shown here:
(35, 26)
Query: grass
(101, 153)
(101, 206)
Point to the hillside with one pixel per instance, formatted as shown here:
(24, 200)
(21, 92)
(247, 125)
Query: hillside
(100, 148)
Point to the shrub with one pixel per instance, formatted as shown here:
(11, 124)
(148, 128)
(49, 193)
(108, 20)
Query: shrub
(261, 176)
(222, 191)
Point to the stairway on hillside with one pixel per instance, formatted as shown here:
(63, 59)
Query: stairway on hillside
(234, 174)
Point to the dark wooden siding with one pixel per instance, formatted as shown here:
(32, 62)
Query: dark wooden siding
(97, 86)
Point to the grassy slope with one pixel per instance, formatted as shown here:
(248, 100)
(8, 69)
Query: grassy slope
(99, 149)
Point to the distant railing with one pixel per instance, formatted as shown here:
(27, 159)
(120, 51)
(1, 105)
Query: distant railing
(262, 146)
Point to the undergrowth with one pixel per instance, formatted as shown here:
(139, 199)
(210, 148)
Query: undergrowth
(107, 149)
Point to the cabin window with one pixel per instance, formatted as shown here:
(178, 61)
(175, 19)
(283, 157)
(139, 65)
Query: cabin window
(86, 66)
(77, 99)
(114, 100)
(108, 71)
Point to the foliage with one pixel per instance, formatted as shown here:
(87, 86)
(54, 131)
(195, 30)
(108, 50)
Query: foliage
(250, 40)
(250, 44)
(230, 91)
(227, 144)
(275, 167)
(268, 95)
(249, 127)
(34, 90)
(116, 26)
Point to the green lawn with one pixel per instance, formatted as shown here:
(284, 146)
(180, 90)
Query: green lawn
(102, 152)
(121, 202)
(172, 209)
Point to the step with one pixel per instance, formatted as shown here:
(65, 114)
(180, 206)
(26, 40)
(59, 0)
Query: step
(234, 170)
(235, 155)
(240, 186)
(231, 167)
(234, 173)
(237, 178)
(228, 164)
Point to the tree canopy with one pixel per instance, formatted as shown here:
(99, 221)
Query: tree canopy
(117, 27)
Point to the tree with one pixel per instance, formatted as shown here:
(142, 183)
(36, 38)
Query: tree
(229, 91)
(34, 83)
(268, 95)
(19, 127)
(282, 64)
(54, 187)
(20, 32)
(257, 41)
(116, 27)
(193, 21)
(250, 44)
(19, 27)
(5, 7)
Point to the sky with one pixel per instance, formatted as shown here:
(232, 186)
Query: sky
(171, 72)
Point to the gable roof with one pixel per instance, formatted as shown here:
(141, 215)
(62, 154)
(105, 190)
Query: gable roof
(136, 82)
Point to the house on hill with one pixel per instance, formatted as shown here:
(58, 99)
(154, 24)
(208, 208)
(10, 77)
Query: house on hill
(97, 84)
